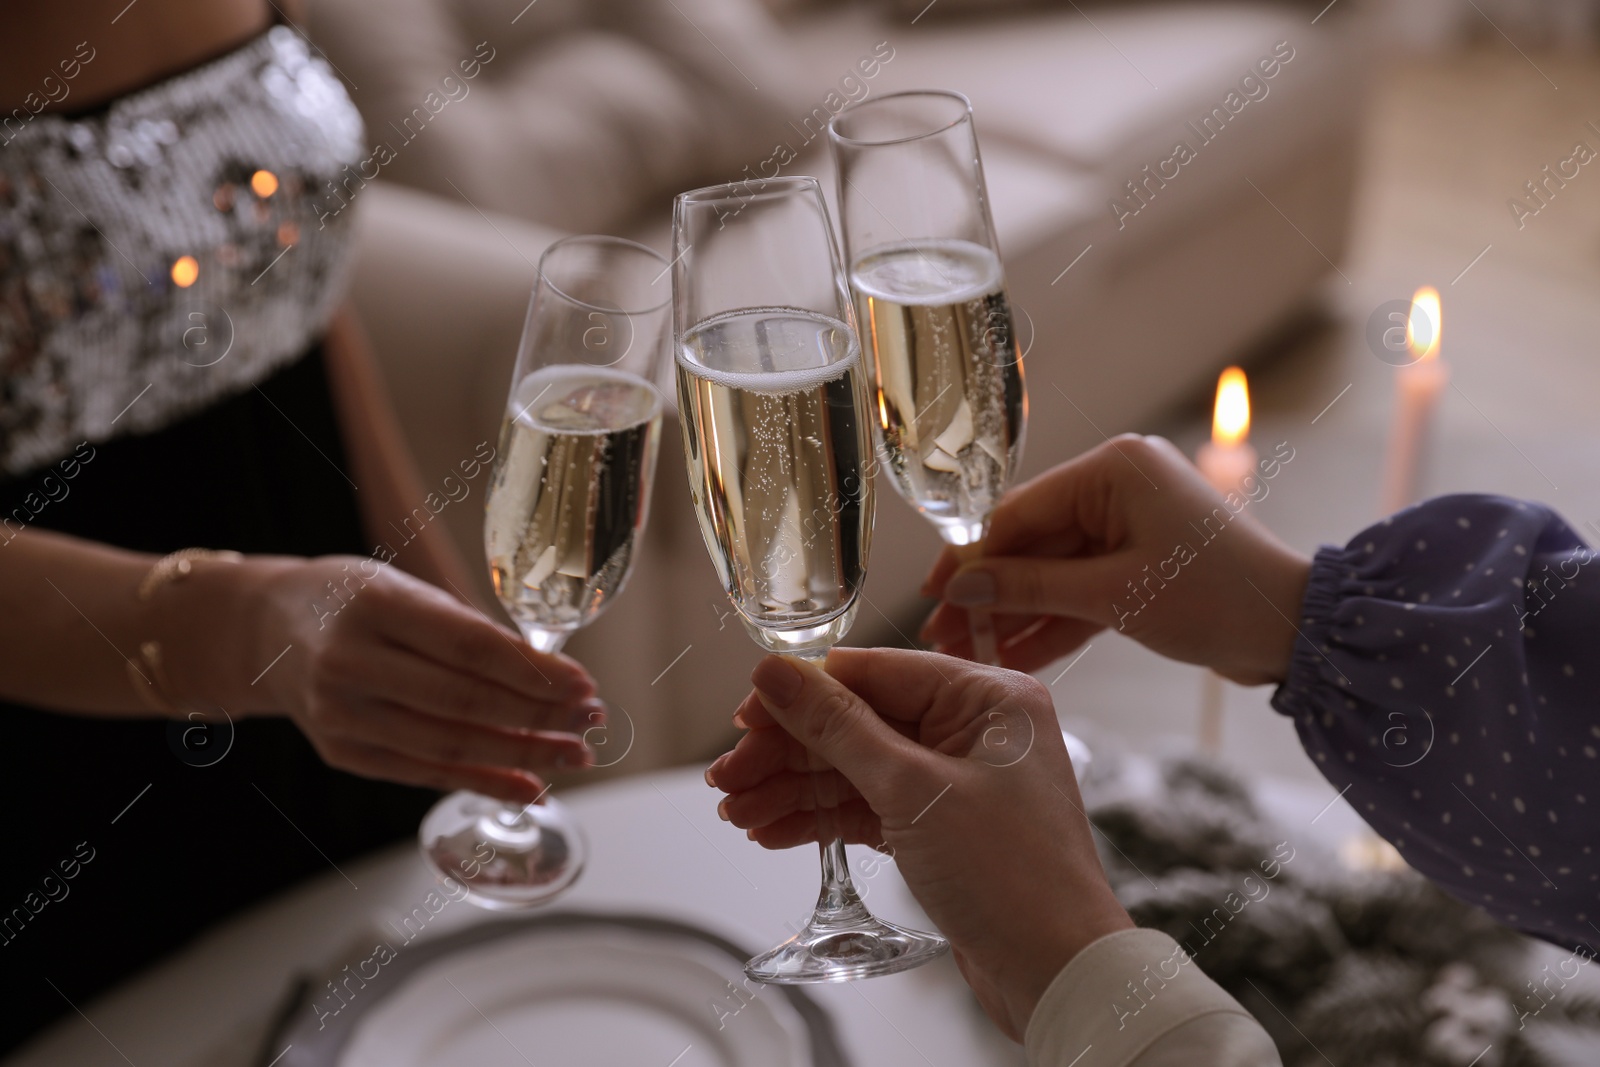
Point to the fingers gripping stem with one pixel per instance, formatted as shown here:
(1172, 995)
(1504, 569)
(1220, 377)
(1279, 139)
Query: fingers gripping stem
(838, 902)
(980, 623)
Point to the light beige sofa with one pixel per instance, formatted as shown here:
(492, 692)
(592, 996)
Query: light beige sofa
(589, 116)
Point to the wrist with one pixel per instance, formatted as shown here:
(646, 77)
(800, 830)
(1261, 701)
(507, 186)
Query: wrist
(1263, 655)
(267, 632)
(1293, 575)
(213, 627)
(1073, 928)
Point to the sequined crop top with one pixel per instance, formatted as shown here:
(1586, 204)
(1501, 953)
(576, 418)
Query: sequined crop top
(165, 252)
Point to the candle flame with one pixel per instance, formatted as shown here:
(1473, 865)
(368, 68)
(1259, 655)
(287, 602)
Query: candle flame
(1425, 313)
(1230, 423)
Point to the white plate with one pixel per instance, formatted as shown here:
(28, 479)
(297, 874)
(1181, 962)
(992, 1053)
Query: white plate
(581, 996)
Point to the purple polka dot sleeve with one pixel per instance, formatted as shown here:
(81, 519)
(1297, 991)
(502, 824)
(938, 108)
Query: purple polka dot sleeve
(1446, 675)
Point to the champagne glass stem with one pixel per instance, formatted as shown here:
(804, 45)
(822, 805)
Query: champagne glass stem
(980, 623)
(838, 904)
(543, 640)
(842, 939)
(985, 642)
(522, 820)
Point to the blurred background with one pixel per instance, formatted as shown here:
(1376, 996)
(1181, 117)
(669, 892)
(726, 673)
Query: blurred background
(1386, 151)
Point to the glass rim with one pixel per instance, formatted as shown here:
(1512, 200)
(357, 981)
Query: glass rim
(765, 187)
(949, 94)
(603, 240)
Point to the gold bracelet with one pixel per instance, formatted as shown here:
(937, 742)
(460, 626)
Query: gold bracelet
(148, 674)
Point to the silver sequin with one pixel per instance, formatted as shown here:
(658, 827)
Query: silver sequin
(165, 252)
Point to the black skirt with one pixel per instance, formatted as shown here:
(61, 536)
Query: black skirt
(161, 837)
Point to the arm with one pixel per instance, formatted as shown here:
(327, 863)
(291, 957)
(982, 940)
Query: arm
(1445, 679)
(381, 461)
(1177, 1017)
(70, 621)
(1393, 618)
(1437, 668)
(387, 676)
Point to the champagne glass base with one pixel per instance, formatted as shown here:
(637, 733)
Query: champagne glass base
(507, 857)
(830, 952)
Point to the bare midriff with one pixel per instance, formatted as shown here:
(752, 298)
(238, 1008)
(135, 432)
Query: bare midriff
(43, 52)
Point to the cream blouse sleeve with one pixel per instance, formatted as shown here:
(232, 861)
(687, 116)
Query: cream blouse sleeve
(1135, 999)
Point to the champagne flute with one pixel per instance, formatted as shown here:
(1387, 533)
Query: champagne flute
(567, 502)
(930, 296)
(774, 405)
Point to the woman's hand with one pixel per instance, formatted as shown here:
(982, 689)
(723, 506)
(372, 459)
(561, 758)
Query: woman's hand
(1127, 536)
(956, 770)
(390, 677)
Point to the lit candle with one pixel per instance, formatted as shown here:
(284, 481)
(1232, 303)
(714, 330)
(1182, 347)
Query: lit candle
(1226, 460)
(1418, 386)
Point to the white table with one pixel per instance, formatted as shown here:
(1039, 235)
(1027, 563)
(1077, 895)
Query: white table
(657, 848)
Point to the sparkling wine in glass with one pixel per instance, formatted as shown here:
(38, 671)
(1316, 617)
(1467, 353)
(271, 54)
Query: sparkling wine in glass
(930, 298)
(567, 502)
(775, 408)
